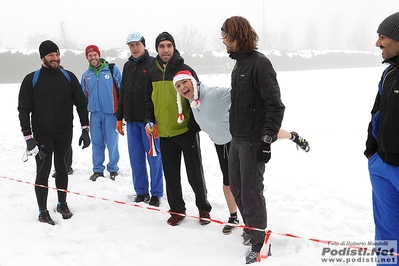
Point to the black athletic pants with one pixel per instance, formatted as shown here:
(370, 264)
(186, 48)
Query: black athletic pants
(171, 149)
(60, 145)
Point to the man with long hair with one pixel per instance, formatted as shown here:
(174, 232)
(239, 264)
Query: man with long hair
(256, 114)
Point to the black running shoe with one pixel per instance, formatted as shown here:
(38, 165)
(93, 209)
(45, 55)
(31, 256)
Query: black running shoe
(64, 210)
(154, 201)
(112, 175)
(252, 257)
(96, 175)
(44, 217)
(142, 198)
(227, 229)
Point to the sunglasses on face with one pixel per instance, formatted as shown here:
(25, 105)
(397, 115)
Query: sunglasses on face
(223, 33)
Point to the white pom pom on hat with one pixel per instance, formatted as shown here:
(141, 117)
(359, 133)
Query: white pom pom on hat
(185, 74)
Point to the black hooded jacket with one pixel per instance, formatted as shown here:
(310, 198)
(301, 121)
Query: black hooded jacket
(385, 117)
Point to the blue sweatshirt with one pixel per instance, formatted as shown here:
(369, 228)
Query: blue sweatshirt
(100, 90)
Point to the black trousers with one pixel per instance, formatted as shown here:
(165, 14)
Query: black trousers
(246, 184)
(172, 149)
(59, 145)
(69, 159)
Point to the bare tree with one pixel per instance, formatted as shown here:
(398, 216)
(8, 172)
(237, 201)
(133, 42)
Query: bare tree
(277, 41)
(311, 41)
(65, 39)
(360, 38)
(33, 41)
(190, 40)
(335, 33)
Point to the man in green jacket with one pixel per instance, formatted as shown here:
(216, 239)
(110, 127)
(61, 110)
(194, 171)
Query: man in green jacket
(177, 129)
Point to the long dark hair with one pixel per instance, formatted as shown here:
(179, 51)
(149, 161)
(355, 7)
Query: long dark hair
(239, 29)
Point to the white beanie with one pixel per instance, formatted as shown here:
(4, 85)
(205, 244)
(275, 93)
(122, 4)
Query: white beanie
(185, 74)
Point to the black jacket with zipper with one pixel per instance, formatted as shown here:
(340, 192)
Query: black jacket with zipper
(256, 107)
(131, 105)
(386, 105)
(48, 107)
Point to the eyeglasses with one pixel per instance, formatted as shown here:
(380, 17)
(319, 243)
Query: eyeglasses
(223, 33)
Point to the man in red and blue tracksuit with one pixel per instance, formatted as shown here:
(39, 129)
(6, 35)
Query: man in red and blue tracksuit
(101, 88)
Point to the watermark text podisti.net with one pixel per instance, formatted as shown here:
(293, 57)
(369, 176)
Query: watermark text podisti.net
(382, 252)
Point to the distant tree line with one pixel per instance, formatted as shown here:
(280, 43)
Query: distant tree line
(15, 66)
(192, 45)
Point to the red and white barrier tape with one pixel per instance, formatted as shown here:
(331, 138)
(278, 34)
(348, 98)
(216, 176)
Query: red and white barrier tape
(263, 254)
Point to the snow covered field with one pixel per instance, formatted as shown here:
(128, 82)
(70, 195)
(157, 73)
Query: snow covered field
(324, 194)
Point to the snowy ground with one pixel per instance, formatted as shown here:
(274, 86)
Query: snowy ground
(324, 194)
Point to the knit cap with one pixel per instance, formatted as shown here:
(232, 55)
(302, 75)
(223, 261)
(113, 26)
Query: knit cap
(185, 74)
(47, 47)
(389, 27)
(92, 48)
(162, 37)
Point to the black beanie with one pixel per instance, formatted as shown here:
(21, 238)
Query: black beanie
(162, 37)
(390, 27)
(47, 47)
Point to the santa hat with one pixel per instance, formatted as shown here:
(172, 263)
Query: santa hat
(185, 74)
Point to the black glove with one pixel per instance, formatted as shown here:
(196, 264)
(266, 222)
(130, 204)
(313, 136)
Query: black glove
(264, 152)
(84, 138)
(31, 144)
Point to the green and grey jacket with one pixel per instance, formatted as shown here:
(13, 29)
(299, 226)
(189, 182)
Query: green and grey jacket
(161, 103)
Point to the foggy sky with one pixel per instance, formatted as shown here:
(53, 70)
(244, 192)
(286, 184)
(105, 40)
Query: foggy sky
(107, 23)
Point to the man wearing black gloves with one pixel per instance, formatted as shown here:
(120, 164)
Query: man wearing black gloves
(256, 114)
(45, 102)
